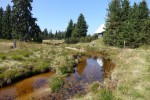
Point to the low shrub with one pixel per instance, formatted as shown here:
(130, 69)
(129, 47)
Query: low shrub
(72, 40)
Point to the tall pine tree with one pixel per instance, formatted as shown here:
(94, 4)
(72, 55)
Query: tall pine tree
(69, 29)
(143, 16)
(7, 24)
(113, 23)
(124, 27)
(45, 33)
(22, 19)
(81, 27)
(1, 17)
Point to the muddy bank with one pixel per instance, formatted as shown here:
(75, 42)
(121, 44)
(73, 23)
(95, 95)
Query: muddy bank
(88, 71)
(12, 76)
(37, 87)
(27, 88)
(6, 82)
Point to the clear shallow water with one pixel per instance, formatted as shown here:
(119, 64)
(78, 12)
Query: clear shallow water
(25, 89)
(87, 71)
(91, 72)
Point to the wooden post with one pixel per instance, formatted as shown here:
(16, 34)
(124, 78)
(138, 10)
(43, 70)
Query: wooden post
(124, 43)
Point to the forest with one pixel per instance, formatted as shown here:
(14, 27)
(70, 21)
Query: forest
(126, 25)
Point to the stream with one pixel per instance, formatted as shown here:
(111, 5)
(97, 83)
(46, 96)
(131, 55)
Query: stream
(37, 87)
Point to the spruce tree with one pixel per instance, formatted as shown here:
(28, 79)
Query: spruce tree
(22, 19)
(124, 27)
(56, 35)
(45, 33)
(69, 29)
(143, 16)
(51, 35)
(113, 23)
(7, 24)
(1, 17)
(36, 33)
(81, 27)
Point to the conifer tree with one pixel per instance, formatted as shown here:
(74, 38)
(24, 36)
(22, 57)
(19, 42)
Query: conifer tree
(36, 33)
(129, 25)
(45, 34)
(124, 27)
(113, 23)
(1, 17)
(69, 29)
(7, 24)
(22, 19)
(51, 35)
(81, 27)
(143, 14)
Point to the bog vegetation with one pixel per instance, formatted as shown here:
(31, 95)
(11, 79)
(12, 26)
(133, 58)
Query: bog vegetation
(126, 26)
(32, 58)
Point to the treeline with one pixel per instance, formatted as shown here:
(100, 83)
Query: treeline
(73, 30)
(17, 23)
(77, 32)
(50, 35)
(127, 25)
(74, 33)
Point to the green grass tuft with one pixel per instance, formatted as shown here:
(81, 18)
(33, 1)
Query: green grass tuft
(55, 83)
(17, 57)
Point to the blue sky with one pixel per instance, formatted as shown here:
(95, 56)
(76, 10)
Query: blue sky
(55, 14)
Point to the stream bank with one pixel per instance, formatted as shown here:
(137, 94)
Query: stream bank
(88, 70)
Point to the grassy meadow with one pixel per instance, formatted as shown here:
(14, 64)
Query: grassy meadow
(130, 79)
(31, 58)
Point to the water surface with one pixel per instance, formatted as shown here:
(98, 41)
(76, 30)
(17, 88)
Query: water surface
(27, 88)
(37, 88)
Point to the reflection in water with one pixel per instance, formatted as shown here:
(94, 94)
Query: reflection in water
(87, 71)
(81, 66)
(91, 71)
(107, 68)
(26, 88)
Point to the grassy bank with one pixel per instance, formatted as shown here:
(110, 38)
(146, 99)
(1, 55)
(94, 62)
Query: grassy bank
(31, 58)
(130, 77)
